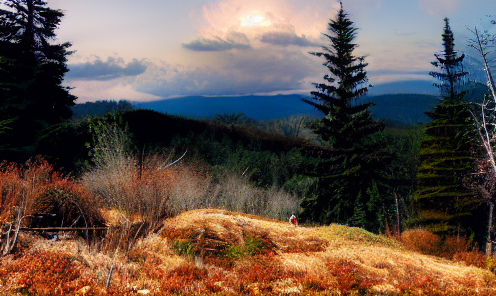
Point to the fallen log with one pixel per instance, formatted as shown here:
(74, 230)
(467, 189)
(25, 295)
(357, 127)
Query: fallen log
(56, 229)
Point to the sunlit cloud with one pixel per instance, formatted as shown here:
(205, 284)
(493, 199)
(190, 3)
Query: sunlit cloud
(255, 20)
(262, 23)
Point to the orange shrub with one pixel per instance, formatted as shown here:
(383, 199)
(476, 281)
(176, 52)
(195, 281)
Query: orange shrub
(19, 184)
(350, 277)
(421, 240)
(184, 279)
(453, 245)
(50, 273)
(67, 204)
(473, 258)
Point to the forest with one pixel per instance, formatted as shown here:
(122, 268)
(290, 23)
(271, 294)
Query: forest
(81, 165)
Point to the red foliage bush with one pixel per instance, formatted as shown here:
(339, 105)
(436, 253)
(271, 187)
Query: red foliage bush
(260, 268)
(473, 258)
(453, 245)
(421, 240)
(19, 184)
(35, 188)
(350, 277)
(49, 273)
(180, 279)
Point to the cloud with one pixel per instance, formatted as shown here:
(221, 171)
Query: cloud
(286, 38)
(263, 70)
(116, 89)
(112, 68)
(233, 40)
(260, 23)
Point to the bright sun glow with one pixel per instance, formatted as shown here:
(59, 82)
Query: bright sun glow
(255, 20)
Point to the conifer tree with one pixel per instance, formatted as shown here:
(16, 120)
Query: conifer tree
(31, 72)
(351, 167)
(443, 203)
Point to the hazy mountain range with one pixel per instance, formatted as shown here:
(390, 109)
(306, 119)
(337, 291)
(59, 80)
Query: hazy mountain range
(393, 103)
(407, 108)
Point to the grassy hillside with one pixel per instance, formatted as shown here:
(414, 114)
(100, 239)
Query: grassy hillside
(216, 252)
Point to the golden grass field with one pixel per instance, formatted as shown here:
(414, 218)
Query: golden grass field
(217, 252)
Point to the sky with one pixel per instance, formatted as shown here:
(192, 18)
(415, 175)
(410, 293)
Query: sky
(153, 49)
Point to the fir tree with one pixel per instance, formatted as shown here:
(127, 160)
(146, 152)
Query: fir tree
(351, 168)
(442, 201)
(32, 70)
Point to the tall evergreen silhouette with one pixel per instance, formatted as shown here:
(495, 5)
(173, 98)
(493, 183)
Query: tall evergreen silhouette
(350, 171)
(444, 205)
(31, 73)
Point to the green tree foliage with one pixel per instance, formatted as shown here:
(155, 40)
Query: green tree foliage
(235, 118)
(31, 71)
(349, 189)
(100, 108)
(443, 203)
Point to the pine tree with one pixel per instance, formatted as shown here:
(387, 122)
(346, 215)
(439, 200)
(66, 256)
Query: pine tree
(443, 203)
(32, 70)
(351, 168)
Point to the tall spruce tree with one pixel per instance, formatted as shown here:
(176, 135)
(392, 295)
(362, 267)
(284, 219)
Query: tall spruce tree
(31, 73)
(350, 170)
(444, 205)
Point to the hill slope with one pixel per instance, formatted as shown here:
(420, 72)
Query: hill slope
(216, 252)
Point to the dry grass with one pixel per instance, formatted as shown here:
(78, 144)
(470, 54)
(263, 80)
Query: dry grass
(233, 254)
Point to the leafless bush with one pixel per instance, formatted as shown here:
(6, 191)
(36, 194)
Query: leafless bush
(195, 189)
(139, 188)
(142, 189)
(236, 193)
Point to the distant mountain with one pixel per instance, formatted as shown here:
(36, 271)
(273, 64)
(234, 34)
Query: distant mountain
(404, 87)
(258, 107)
(405, 108)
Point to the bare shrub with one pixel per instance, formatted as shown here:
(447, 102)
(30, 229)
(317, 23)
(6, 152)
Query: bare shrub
(235, 193)
(193, 188)
(146, 189)
(138, 188)
(190, 188)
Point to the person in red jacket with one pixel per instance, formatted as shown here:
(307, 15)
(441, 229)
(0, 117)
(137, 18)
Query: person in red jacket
(293, 220)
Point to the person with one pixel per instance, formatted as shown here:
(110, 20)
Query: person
(293, 220)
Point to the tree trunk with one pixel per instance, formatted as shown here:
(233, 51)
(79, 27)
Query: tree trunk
(489, 243)
(398, 222)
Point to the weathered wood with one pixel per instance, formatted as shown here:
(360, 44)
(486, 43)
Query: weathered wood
(56, 229)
